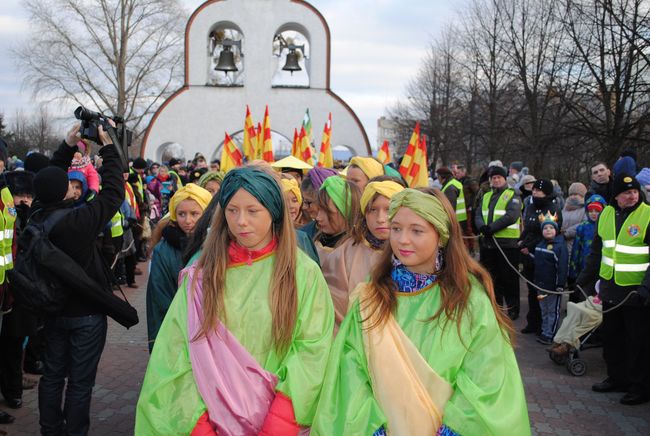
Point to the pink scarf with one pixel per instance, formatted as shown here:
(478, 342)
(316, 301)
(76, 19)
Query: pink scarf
(236, 390)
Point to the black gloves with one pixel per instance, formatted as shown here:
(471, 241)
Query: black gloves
(486, 231)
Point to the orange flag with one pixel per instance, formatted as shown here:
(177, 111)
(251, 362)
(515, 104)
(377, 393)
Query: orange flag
(325, 158)
(295, 146)
(383, 155)
(231, 156)
(250, 136)
(414, 163)
(305, 148)
(267, 145)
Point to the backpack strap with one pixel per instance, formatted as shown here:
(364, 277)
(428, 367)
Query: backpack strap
(52, 219)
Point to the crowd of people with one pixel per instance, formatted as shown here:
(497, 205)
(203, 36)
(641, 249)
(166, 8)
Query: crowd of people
(282, 298)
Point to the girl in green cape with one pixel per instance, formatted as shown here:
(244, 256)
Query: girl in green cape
(423, 348)
(243, 347)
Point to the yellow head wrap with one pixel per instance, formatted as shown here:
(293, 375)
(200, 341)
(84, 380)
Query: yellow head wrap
(291, 185)
(370, 167)
(190, 191)
(386, 188)
(426, 206)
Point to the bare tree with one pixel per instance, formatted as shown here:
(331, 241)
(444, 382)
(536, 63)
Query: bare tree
(119, 56)
(612, 103)
(35, 133)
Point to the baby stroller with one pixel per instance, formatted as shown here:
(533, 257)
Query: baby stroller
(571, 358)
(579, 326)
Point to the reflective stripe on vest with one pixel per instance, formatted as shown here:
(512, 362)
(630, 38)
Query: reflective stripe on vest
(624, 256)
(116, 225)
(461, 212)
(512, 231)
(8, 221)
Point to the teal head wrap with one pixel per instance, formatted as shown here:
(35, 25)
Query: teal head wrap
(339, 192)
(426, 206)
(259, 184)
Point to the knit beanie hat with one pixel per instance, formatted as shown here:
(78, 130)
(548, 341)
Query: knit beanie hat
(497, 171)
(528, 179)
(50, 185)
(625, 165)
(544, 185)
(517, 165)
(35, 162)
(577, 188)
(624, 182)
(139, 163)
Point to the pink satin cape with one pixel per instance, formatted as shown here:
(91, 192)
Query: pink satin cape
(236, 390)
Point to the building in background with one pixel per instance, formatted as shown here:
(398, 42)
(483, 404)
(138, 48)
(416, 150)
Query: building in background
(260, 35)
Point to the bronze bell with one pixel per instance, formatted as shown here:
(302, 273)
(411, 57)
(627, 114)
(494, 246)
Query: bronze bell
(226, 60)
(292, 62)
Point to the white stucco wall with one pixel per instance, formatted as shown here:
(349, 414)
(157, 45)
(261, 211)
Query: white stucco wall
(198, 115)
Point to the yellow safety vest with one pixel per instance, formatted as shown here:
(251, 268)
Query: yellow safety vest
(513, 231)
(116, 225)
(624, 256)
(7, 223)
(461, 212)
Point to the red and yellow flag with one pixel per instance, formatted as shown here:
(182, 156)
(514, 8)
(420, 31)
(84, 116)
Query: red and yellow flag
(295, 145)
(325, 158)
(250, 136)
(414, 163)
(231, 156)
(305, 147)
(383, 155)
(267, 145)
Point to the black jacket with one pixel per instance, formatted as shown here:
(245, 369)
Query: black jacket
(609, 290)
(513, 213)
(532, 233)
(77, 232)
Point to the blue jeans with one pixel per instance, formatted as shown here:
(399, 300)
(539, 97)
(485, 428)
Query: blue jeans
(73, 347)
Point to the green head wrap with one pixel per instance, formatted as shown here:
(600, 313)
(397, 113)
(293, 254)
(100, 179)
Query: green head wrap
(259, 184)
(424, 205)
(338, 191)
(210, 175)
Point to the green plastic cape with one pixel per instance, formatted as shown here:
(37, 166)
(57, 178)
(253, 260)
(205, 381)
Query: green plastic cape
(488, 393)
(170, 403)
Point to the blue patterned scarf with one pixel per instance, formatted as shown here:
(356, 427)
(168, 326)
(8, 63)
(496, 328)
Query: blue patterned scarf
(408, 281)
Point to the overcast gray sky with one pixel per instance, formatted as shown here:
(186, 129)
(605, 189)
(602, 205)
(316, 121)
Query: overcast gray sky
(377, 46)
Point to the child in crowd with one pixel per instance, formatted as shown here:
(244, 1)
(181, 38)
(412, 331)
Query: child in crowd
(585, 236)
(81, 162)
(551, 268)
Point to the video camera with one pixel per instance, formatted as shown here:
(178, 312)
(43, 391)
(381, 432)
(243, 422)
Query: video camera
(120, 135)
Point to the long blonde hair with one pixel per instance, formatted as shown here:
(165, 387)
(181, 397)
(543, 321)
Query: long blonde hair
(454, 279)
(283, 295)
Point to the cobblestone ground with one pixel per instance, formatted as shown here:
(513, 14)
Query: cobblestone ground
(558, 403)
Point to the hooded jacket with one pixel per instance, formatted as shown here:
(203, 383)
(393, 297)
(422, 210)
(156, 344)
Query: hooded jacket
(584, 236)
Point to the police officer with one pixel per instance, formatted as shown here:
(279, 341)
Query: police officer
(499, 216)
(619, 259)
(453, 190)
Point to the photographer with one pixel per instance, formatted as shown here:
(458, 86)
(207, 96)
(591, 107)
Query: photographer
(75, 337)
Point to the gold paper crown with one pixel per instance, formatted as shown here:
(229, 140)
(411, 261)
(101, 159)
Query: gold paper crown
(547, 218)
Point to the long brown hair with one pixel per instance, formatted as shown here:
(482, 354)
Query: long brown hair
(454, 279)
(353, 220)
(283, 295)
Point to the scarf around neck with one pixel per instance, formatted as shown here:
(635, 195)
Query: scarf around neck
(239, 254)
(408, 281)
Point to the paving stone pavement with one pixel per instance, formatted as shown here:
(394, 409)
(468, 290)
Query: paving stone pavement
(558, 403)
